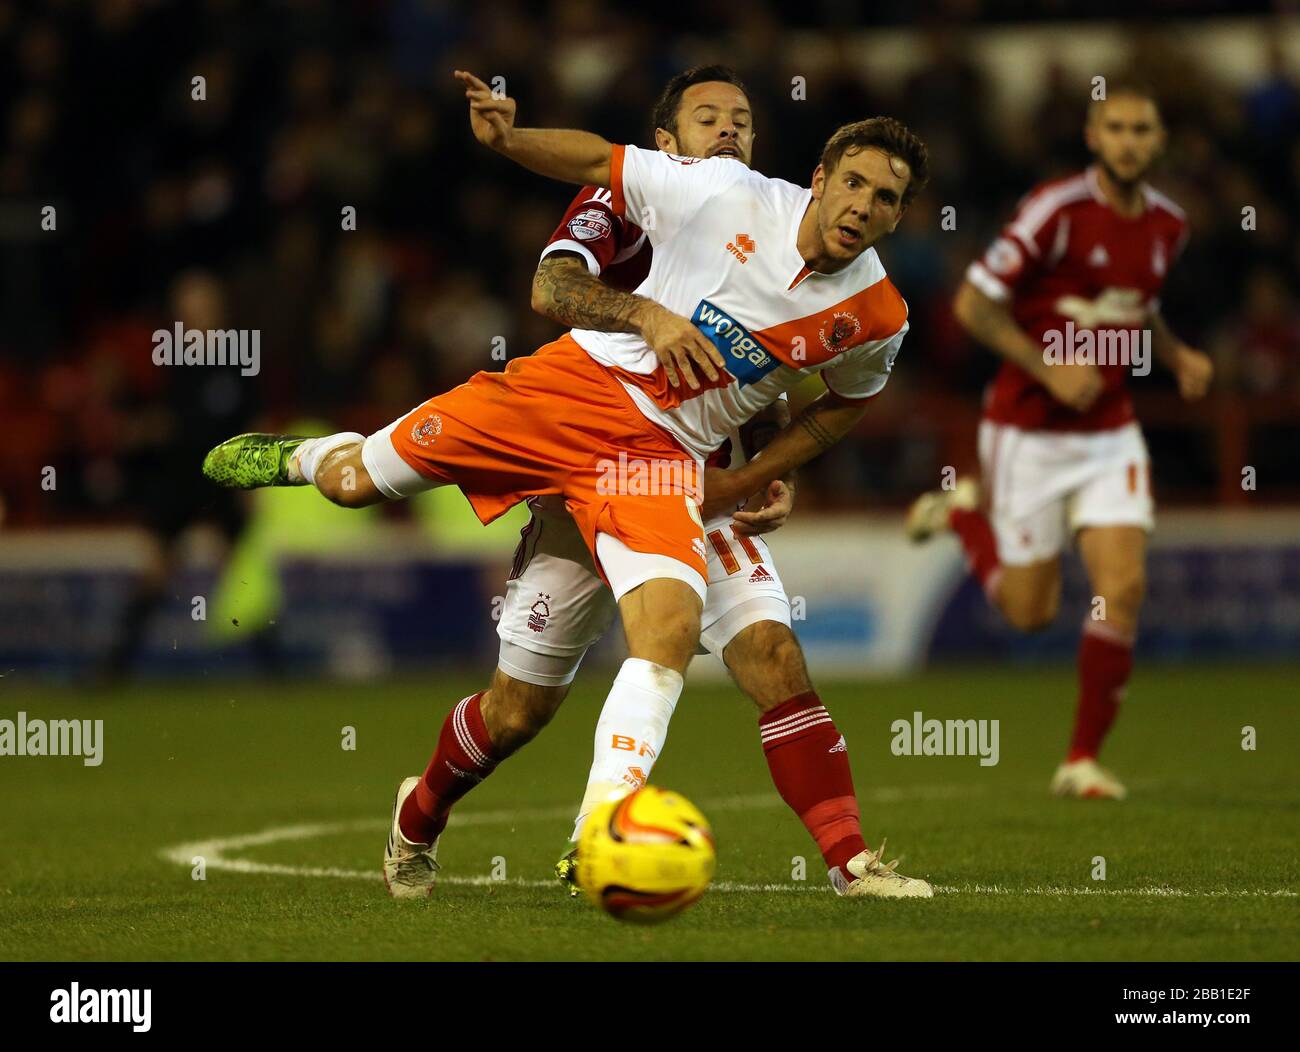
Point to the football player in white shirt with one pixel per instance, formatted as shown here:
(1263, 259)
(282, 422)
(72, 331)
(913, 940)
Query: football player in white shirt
(557, 605)
(784, 283)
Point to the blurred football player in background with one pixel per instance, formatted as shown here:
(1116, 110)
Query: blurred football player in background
(1079, 266)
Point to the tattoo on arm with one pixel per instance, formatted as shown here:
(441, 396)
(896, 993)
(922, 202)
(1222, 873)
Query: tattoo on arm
(809, 422)
(569, 294)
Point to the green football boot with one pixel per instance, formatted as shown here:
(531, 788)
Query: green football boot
(567, 872)
(252, 461)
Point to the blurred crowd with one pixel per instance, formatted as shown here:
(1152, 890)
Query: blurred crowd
(228, 210)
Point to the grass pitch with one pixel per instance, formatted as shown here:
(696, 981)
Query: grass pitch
(1200, 862)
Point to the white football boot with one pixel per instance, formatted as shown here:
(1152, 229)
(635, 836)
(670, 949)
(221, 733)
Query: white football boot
(928, 514)
(1087, 778)
(409, 869)
(877, 878)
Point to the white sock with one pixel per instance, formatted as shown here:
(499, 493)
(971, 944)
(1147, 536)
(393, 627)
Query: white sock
(631, 731)
(307, 457)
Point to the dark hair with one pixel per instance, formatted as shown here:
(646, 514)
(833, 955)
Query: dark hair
(1125, 87)
(881, 133)
(669, 102)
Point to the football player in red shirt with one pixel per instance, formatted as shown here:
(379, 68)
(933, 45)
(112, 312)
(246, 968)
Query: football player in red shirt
(1068, 295)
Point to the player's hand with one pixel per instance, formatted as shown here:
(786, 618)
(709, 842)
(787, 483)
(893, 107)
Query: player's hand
(723, 490)
(766, 511)
(1194, 370)
(492, 119)
(1077, 386)
(680, 346)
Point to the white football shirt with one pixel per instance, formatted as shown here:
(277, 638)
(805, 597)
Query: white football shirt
(725, 256)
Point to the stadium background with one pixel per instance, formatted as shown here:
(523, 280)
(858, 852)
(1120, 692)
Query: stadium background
(274, 664)
(226, 213)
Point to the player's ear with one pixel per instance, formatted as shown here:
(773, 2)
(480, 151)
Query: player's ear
(818, 182)
(665, 140)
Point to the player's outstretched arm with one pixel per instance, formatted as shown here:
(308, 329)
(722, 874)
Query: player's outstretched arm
(564, 290)
(1192, 369)
(570, 156)
(822, 423)
(992, 324)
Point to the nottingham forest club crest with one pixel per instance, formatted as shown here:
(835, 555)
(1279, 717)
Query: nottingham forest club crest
(540, 612)
(843, 329)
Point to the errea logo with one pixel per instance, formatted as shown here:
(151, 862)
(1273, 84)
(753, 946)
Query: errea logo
(742, 247)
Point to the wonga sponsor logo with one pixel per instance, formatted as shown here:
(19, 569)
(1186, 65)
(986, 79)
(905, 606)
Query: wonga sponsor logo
(747, 360)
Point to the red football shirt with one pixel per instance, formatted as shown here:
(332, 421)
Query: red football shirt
(1068, 256)
(616, 250)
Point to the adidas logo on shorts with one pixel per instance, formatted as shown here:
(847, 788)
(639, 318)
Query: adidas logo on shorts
(761, 576)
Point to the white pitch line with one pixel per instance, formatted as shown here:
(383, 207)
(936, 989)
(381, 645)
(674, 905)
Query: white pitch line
(1154, 892)
(214, 851)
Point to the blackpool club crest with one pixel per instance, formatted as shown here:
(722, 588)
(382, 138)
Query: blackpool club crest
(844, 327)
(427, 430)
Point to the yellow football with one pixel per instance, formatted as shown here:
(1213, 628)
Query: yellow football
(646, 856)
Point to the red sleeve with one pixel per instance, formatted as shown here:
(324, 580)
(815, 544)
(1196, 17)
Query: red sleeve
(1025, 247)
(592, 229)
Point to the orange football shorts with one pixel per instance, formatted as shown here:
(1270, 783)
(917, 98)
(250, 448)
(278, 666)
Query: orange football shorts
(554, 422)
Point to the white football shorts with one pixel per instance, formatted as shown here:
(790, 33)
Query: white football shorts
(1043, 486)
(556, 605)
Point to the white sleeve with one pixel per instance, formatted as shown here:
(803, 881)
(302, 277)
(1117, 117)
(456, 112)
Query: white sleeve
(660, 192)
(864, 371)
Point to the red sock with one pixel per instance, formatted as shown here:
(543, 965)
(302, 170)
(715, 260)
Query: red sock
(1105, 662)
(810, 766)
(976, 535)
(464, 757)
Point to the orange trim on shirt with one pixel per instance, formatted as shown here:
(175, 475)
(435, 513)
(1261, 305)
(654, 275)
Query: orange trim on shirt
(803, 273)
(875, 313)
(616, 178)
(664, 394)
